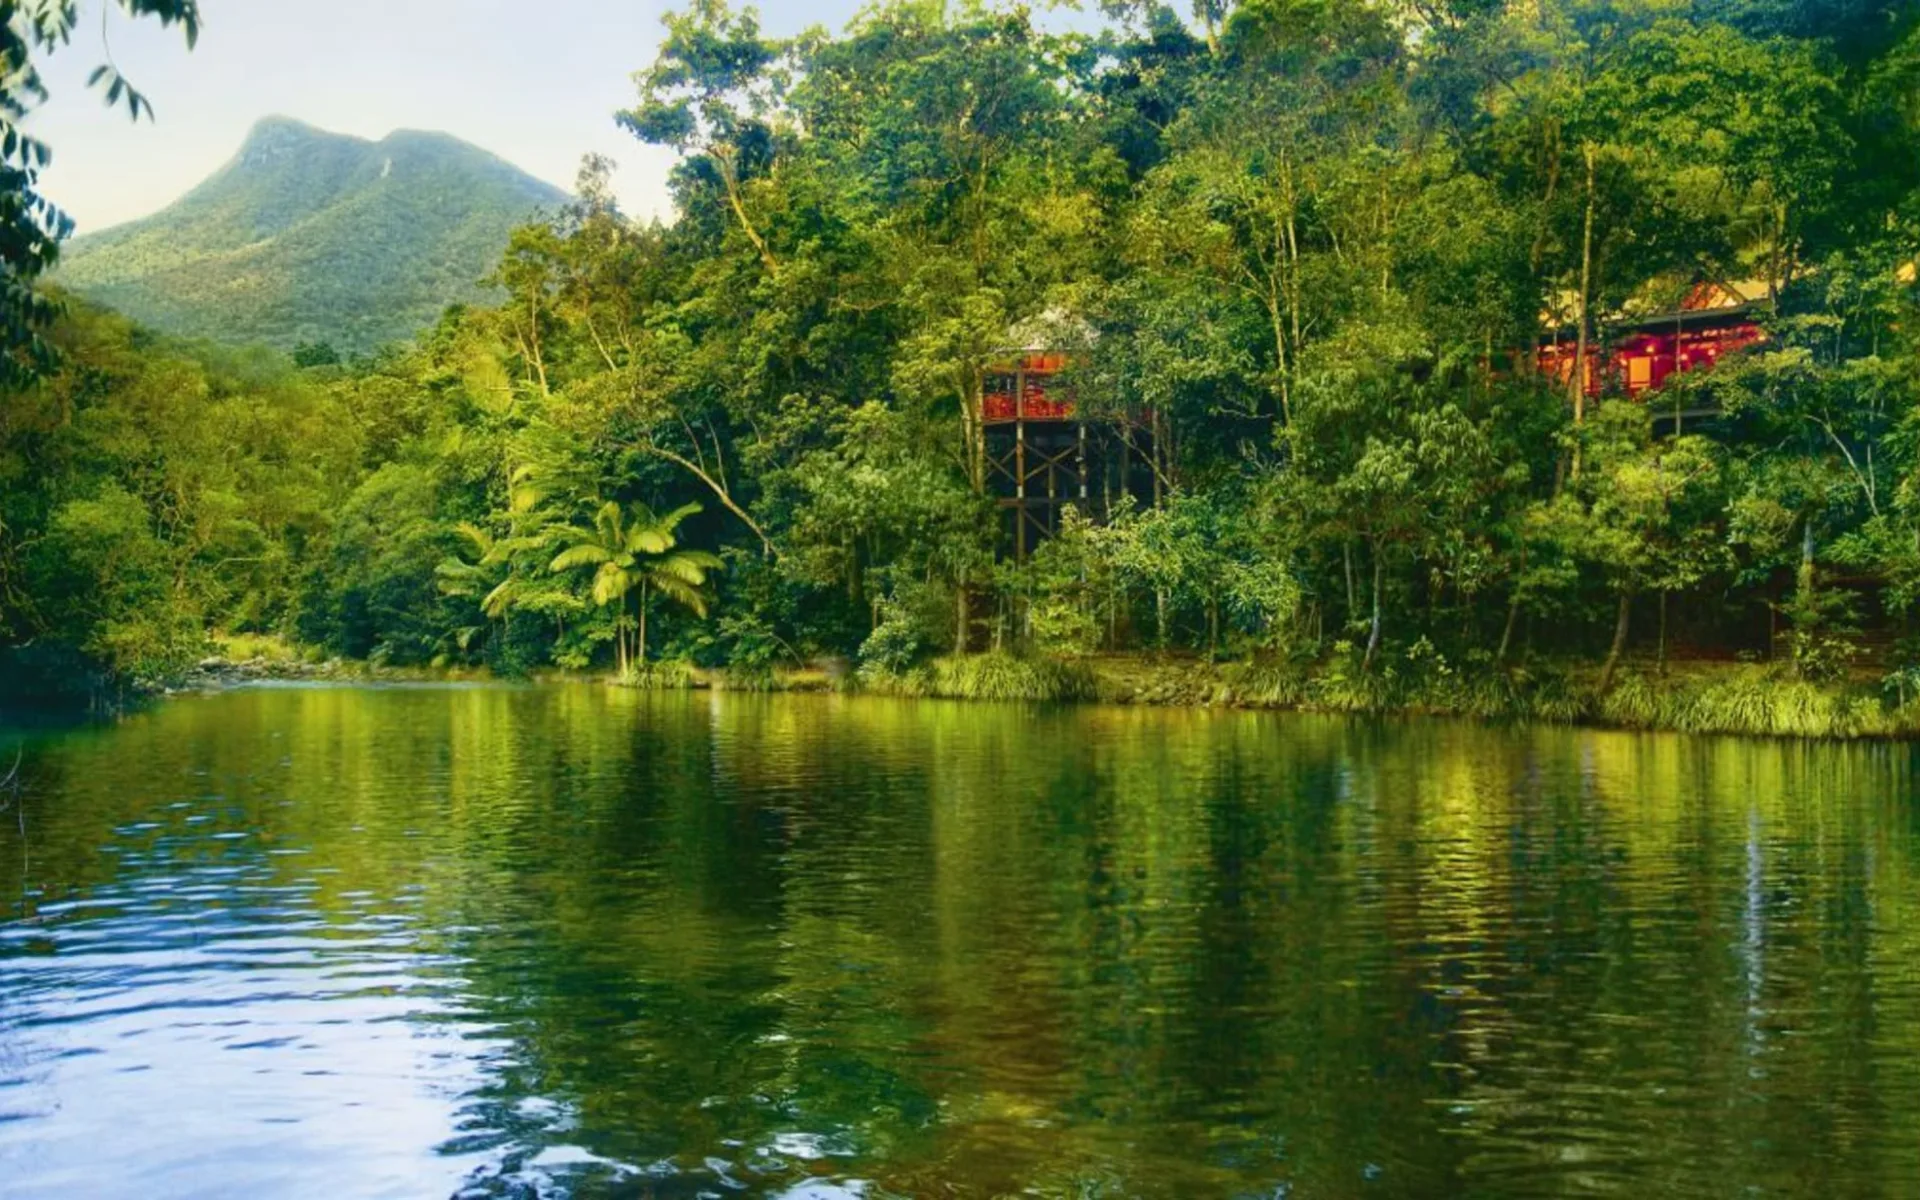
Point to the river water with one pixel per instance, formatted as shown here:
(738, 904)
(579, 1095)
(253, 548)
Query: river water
(568, 941)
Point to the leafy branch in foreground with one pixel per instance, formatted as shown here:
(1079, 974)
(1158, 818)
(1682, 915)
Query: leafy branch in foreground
(32, 226)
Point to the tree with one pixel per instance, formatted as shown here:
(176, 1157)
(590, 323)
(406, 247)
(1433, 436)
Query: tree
(315, 354)
(633, 549)
(1645, 516)
(31, 226)
(709, 95)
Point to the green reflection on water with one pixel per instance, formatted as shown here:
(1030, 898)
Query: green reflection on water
(964, 949)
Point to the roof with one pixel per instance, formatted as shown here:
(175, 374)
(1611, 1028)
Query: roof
(1668, 301)
(1052, 329)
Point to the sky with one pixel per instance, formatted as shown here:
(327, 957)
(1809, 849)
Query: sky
(536, 83)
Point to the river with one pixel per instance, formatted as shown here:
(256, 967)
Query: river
(573, 941)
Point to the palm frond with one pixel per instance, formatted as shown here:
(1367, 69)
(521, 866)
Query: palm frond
(687, 566)
(609, 525)
(680, 592)
(646, 539)
(583, 554)
(612, 582)
(672, 520)
(652, 533)
(501, 598)
(479, 539)
(456, 577)
(524, 490)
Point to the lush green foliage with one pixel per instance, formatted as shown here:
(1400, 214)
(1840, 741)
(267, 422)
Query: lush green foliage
(311, 237)
(1300, 253)
(146, 493)
(31, 226)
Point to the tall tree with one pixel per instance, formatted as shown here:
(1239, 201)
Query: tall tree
(634, 550)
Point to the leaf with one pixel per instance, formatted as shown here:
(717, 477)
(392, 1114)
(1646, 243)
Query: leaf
(584, 555)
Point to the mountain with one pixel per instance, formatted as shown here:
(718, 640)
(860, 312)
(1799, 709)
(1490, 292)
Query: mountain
(315, 236)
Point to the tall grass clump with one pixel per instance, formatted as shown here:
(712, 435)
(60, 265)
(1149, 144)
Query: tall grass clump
(1756, 701)
(1266, 684)
(1358, 692)
(668, 676)
(1001, 676)
(744, 679)
(254, 647)
(1343, 684)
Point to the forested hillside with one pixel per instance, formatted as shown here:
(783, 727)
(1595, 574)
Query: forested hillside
(1305, 251)
(315, 237)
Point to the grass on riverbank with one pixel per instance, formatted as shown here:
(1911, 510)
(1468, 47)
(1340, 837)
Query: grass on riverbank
(1698, 698)
(1701, 698)
(995, 676)
(1751, 699)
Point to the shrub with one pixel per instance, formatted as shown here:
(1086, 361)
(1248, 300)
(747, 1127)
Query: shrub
(670, 675)
(895, 644)
(1000, 676)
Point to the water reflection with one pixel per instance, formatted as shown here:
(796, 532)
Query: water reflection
(511, 942)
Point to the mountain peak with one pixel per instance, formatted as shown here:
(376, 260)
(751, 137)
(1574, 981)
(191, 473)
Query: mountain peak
(275, 123)
(434, 136)
(277, 130)
(309, 235)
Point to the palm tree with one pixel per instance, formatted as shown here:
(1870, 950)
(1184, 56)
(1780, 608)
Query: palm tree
(637, 550)
(478, 571)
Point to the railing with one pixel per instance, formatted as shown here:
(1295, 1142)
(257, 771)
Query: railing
(1031, 403)
(1643, 361)
(1027, 392)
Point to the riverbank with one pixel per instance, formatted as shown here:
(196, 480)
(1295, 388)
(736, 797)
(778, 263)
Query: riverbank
(1731, 698)
(1727, 698)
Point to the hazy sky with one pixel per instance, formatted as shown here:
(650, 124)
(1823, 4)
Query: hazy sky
(534, 81)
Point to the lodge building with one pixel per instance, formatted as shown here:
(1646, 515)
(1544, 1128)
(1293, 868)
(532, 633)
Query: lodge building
(1041, 456)
(1648, 348)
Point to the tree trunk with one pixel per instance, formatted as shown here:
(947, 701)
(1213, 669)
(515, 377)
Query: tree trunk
(1619, 641)
(640, 644)
(973, 414)
(1373, 632)
(724, 162)
(960, 616)
(1578, 385)
(1160, 617)
(1506, 633)
(1346, 561)
(1278, 318)
(1662, 659)
(1804, 615)
(620, 641)
(1210, 23)
(1803, 578)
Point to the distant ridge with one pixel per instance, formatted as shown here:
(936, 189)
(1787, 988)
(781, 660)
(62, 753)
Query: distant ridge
(309, 236)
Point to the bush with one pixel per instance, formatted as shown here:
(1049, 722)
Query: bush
(752, 647)
(995, 676)
(1001, 676)
(1266, 684)
(1756, 701)
(895, 644)
(671, 675)
(1062, 625)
